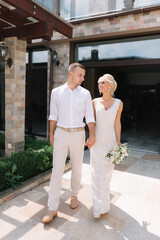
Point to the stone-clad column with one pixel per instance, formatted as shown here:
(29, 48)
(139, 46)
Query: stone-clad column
(15, 96)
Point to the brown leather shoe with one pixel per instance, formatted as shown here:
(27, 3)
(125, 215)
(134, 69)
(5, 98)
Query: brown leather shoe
(49, 216)
(74, 202)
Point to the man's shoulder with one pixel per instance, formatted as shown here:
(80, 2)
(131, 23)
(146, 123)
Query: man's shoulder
(83, 90)
(58, 89)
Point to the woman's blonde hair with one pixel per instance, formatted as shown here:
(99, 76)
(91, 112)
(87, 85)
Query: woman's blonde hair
(109, 78)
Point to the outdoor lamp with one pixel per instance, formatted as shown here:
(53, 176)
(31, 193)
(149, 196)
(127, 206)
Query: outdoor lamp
(4, 52)
(55, 57)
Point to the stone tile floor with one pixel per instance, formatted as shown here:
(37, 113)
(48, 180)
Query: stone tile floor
(134, 215)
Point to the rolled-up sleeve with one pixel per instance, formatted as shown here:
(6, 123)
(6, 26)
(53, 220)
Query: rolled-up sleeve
(53, 107)
(89, 114)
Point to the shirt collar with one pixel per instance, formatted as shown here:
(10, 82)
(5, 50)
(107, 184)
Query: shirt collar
(66, 87)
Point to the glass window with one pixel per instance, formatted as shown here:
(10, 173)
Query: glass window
(65, 9)
(140, 3)
(47, 3)
(136, 48)
(27, 55)
(40, 56)
(73, 9)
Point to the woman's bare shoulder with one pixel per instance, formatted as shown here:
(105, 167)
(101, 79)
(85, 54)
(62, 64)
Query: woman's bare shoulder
(95, 99)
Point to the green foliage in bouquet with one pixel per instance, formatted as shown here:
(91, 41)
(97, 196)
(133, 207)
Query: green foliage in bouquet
(118, 153)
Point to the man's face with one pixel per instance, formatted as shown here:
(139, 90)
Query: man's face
(77, 76)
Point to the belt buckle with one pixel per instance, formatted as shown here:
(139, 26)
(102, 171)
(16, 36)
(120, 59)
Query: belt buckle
(71, 129)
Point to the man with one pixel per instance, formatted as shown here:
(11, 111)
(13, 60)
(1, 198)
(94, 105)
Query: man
(70, 103)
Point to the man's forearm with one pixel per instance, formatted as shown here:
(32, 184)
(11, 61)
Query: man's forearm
(52, 127)
(91, 140)
(91, 127)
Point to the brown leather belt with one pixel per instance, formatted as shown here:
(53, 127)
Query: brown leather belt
(71, 129)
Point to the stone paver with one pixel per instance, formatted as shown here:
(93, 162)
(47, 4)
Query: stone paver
(134, 215)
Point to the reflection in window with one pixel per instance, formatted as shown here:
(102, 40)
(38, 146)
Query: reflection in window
(40, 56)
(73, 8)
(48, 3)
(141, 3)
(27, 55)
(139, 48)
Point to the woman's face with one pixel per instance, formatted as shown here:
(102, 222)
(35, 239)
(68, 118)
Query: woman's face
(103, 86)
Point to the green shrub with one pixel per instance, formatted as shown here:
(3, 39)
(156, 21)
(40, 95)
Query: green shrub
(28, 164)
(23, 165)
(12, 178)
(5, 166)
(35, 144)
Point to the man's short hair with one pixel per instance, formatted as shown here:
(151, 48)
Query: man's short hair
(73, 66)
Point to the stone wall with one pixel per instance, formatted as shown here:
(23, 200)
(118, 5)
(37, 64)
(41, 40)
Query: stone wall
(60, 73)
(118, 24)
(138, 21)
(15, 96)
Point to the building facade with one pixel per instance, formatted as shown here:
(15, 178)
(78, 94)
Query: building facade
(119, 37)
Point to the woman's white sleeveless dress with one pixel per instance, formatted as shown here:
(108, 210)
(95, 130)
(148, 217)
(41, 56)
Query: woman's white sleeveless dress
(101, 170)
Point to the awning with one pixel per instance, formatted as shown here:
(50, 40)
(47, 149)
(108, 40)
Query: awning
(27, 19)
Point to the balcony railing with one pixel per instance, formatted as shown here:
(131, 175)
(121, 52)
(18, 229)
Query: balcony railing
(78, 9)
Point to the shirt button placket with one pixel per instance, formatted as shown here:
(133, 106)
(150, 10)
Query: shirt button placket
(71, 109)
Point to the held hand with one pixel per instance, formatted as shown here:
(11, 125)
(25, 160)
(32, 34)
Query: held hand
(88, 145)
(51, 139)
(90, 142)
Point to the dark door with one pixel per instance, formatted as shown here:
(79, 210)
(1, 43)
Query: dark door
(139, 89)
(2, 97)
(36, 93)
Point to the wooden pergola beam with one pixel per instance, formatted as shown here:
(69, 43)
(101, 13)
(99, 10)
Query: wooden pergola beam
(34, 10)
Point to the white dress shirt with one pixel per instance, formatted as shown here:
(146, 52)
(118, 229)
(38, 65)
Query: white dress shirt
(69, 107)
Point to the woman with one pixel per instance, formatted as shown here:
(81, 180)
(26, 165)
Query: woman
(107, 111)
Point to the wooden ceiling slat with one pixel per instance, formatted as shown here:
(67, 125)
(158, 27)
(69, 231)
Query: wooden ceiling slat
(35, 11)
(31, 31)
(13, 16)
(3, 24)
(27, 20)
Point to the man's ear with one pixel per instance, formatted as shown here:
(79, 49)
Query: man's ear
(70, 74)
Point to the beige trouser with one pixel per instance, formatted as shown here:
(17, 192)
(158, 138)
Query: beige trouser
(64, 141)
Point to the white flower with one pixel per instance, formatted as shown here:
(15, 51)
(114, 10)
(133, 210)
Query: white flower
(118, 153)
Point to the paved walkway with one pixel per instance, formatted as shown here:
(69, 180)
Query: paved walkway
(134, 215)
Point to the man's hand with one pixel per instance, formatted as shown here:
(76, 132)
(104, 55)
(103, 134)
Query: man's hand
(51, 139)
(90, 142)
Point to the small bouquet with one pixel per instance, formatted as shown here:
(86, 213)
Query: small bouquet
(118, 154)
